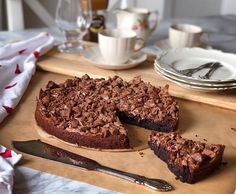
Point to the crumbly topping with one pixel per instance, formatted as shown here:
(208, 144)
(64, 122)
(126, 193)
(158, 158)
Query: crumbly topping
(185, 152)
(87, 105)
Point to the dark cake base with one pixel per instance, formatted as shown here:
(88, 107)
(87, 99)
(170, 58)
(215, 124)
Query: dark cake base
(166, 125)
(182, 172)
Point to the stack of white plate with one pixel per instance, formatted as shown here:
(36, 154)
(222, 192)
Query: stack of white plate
(223, 78)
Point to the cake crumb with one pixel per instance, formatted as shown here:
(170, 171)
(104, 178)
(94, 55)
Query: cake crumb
(204, 140)
(176, 178)
(224, 163)
(233, 128)
(196, 135)
(140, 141)
(141, 154)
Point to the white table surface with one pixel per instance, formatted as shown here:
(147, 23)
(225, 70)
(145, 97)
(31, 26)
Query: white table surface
(30, 181)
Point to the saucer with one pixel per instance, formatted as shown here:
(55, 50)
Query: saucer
(93, 55)
(165, 44)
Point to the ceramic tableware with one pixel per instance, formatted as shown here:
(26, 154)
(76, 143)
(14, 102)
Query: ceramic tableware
(171, 63)
(193, 57)
(196, 87)
(164, 44)
(193, 83)
(137, 20)
(93, 55)
(117, 45)
(185, 35)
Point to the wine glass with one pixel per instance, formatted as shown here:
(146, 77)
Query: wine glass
(73, 18)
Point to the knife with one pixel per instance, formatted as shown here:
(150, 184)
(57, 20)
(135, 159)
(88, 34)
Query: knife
(47, 151)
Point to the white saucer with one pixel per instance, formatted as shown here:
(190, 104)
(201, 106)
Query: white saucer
(93, 55)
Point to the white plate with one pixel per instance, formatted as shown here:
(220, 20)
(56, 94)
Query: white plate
(193, 57)
(182, 81)
(194, 82)
(93, 55)
(195, 87)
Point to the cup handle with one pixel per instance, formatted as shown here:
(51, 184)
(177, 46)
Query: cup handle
(156, 14)
(207, 38)
(139, 46)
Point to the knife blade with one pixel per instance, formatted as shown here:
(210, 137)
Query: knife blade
(47, 151)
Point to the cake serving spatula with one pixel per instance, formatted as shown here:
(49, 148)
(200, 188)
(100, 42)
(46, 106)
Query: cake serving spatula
(47, 151)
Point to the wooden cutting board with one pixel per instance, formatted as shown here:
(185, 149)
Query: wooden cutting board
(77, 65)
(197, 121)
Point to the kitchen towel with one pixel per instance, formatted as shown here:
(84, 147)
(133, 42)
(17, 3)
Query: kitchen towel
(17, 65)
(8, 159)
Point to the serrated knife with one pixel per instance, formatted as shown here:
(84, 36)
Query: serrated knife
(47, 151)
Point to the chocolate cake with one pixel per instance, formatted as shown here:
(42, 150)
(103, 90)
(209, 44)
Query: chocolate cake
(88, 112)
(189, 160)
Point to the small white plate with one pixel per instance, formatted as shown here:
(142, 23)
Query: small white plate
(192, 86)
(93, 55)
(188, 80)
(193, 57)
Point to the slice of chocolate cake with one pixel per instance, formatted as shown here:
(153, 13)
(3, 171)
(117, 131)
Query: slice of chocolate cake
(189, 160)
(88, 111)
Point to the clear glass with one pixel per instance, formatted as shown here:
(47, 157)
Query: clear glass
(73, 18)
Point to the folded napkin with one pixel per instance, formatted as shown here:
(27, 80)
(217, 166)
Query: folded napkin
(17, 65)
(8, 159)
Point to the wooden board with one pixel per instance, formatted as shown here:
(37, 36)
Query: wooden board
(77, 65)
(207, 122)
(137, 139)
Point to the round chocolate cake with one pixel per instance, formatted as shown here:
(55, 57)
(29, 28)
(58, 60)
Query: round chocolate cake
(88, 112)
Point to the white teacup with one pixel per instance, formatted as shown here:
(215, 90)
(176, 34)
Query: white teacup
(185, 35)
(117, 46)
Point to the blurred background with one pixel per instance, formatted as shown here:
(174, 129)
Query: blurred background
(24, 14)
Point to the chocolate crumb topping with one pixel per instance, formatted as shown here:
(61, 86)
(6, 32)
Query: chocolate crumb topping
(183, 151)
(88, 106)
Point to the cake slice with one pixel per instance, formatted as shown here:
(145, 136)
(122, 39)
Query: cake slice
(79, 116)
(189, 160)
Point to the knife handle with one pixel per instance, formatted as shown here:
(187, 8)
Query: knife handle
(156, 184)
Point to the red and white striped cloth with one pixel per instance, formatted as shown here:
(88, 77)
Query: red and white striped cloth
(17, 65)
(8, 159)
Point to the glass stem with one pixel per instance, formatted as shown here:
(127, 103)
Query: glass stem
(72, 39)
